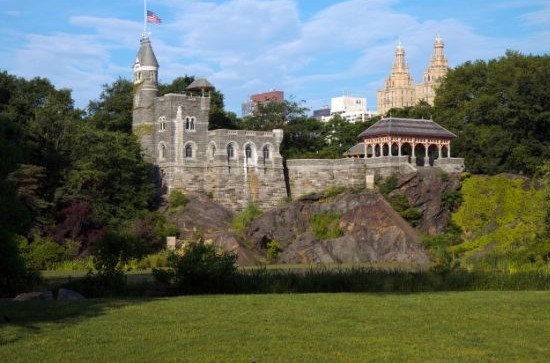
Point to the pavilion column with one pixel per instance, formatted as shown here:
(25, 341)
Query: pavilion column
(426, 146)
(399, 148)
(389, 148)
(413, 147)
(365, 145)
(449, 150)
(440, 147)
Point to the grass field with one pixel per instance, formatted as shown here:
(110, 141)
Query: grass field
(444, 327)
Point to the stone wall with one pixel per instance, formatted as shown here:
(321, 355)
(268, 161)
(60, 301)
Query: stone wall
(450, 165)
(315, 175)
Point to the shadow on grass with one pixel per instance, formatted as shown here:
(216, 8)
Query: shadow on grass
(22, 318)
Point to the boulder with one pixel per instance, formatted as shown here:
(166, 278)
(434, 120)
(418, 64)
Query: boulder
(66, 294)
(372, 231)
(202, 216)
(424, 190)
(35, 295)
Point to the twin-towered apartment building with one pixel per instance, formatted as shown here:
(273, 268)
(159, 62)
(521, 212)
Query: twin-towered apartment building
(399, 90)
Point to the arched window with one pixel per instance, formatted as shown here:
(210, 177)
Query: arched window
(192, 123)
(162, 152)
(188, 151)
(266, 152)
(187, 123)
(230, 151)
(248, 151)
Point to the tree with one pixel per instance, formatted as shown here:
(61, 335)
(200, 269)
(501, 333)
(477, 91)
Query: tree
(113, 110)
(274, 115)
(500, 110)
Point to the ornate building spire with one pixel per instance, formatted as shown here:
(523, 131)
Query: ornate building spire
(437, 69)
(399, 86)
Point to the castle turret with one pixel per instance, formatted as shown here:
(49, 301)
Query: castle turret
(146, 90)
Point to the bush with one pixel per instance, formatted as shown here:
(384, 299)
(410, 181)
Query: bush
(273, 250)
(451, 200)
(243, 219)
(200, 267)
(326, 225)
(388, 185)
(14, 276)
(41, 253)
(412, 215)
(114, 250)
(177, 199)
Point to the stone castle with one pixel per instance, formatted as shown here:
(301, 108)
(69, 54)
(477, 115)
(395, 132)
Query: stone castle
(399, 88)
(239, 167)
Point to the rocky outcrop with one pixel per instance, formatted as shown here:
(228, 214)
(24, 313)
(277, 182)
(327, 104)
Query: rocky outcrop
(371, 231)
(66, 294)
(35, 295)
(205, 218)
(424, 190)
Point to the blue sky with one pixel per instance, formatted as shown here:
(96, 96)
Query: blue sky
(312, 50)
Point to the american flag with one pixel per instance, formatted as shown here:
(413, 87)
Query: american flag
(152, 17)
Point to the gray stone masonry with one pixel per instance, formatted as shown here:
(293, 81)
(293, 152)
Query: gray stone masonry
(236, 167)
(315, 175)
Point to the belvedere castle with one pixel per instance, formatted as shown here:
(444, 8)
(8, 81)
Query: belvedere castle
(239, 167)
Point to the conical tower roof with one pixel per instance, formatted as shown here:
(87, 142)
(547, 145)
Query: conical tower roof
(146, 56)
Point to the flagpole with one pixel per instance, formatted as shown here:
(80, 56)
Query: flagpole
(145, 18)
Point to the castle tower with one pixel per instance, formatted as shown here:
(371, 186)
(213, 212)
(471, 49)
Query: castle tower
(146, 89)
(399, 90)
(437, 69)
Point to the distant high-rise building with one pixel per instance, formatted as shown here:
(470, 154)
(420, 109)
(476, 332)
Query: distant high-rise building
(270, 96)
(437, 69)
(321, 113)
(350, 108)
(399, 89)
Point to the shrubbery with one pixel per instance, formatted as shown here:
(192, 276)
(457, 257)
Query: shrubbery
(243, 219)
(326, 225)
(199, 267)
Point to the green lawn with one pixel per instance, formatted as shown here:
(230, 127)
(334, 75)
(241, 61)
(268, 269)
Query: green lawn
(444, 327)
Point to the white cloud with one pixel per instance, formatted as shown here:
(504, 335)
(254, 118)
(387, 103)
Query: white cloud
(14, 13)
(540, 17)
(248, 46)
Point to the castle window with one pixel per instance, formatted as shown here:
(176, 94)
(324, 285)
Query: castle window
(162, 152)
(230, 151)
(162, 123)
(266, 152)
(190, 123)
(188, 151)
(248, 151)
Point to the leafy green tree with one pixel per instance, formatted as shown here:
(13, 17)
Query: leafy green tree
(113, 110)
(107, 169)
(422, 110)
(500, 110)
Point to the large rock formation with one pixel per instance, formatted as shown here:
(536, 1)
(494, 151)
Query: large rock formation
(424, 190)
(205, 218)
(371, 231)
